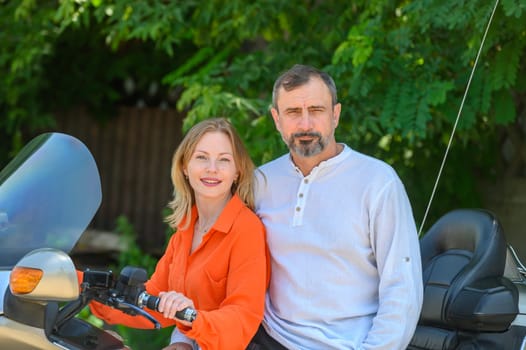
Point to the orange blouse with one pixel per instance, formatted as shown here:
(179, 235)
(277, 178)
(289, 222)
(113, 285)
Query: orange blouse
(226, 277)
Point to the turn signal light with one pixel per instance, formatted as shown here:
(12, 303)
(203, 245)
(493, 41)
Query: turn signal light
(23, 280)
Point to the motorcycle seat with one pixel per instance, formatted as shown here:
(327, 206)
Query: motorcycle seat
(463, 260)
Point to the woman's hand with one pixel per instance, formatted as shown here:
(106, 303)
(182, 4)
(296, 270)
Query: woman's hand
(171, 302)
(178, 346)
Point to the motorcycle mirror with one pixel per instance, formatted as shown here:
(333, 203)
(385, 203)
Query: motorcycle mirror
(37, 275)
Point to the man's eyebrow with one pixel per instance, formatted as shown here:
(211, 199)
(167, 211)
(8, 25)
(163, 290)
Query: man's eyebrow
(293, 109)
(316, 107)
(297, 109)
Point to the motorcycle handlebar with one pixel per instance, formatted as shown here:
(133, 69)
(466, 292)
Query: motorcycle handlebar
(152, 303)
(127, 293)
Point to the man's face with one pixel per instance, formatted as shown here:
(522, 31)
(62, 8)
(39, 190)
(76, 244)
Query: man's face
(306, 118)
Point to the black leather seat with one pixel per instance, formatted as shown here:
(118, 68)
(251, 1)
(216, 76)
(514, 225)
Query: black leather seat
(465, 293)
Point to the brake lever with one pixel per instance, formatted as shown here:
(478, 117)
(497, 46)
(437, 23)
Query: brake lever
(128, 308)
(134, 310)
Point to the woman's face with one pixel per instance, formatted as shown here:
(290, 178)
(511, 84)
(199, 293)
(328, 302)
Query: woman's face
(211, 169)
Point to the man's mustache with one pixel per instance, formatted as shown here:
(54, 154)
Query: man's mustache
(306, 134)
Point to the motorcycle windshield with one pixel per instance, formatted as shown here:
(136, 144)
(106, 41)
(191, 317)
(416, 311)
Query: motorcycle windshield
(49, 194)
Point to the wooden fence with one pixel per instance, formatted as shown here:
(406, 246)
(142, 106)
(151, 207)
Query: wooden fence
(133, 152)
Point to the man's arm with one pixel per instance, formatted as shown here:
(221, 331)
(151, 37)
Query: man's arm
(394, 240)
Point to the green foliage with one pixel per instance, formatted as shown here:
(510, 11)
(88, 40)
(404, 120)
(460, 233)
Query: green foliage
(401, 68)
(86, 315)
(144, 338)
(133, 255)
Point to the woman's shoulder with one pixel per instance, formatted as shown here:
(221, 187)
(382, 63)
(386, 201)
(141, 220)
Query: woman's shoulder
(248, 231)
(238, 216)
(248, 217)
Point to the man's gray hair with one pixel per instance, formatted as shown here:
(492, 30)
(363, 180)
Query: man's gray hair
(300, 75)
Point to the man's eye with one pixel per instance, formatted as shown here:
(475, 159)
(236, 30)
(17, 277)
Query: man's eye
(293, 115)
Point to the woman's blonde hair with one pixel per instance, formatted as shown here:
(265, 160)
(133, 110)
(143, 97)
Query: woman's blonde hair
(184, 198)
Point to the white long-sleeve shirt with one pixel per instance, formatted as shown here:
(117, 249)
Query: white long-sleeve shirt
(346, 269)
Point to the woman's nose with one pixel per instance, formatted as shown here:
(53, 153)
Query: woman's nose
(212, 166)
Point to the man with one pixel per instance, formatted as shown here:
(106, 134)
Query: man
(346, 270)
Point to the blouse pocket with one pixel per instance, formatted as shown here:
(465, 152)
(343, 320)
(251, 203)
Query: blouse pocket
(217, 280)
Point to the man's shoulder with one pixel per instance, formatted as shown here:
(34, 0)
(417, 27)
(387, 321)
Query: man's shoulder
(276, 168)
(371, 161)
(277, 162)
(272, 174)
(370, 167)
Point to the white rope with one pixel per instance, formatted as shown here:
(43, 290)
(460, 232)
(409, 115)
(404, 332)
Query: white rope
(457, 119)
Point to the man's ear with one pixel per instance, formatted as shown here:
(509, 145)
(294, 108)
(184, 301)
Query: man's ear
(336, 113)
(275, 116)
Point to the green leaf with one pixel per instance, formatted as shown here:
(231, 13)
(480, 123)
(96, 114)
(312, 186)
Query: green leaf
(436, 92)
(513, 7)
(504, 109)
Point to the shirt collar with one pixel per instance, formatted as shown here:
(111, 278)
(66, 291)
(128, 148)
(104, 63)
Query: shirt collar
(226, 219)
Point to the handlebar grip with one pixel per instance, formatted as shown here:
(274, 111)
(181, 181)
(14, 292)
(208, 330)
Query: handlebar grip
(186, 314)
(152, 302)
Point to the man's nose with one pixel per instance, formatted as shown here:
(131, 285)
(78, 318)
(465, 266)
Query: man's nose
(305, 122)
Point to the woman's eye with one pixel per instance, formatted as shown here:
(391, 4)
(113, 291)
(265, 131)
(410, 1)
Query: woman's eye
(224, 159)
(200, 157)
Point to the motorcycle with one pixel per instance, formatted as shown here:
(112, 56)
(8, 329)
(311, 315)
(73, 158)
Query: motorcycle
(49, 194)
(474, 286)
(474, 283)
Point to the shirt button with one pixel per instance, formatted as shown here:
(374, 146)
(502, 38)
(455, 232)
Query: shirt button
(306, 181)
(298, 208)
(300, 195)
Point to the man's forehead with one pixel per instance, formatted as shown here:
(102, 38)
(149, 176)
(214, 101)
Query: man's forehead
(304, 97)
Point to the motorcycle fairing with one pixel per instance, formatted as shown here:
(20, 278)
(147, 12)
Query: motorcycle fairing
(49, 194)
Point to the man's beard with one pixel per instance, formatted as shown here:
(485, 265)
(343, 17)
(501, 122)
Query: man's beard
(307, 148)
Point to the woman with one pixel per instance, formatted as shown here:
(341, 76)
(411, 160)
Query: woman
(217, 261)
